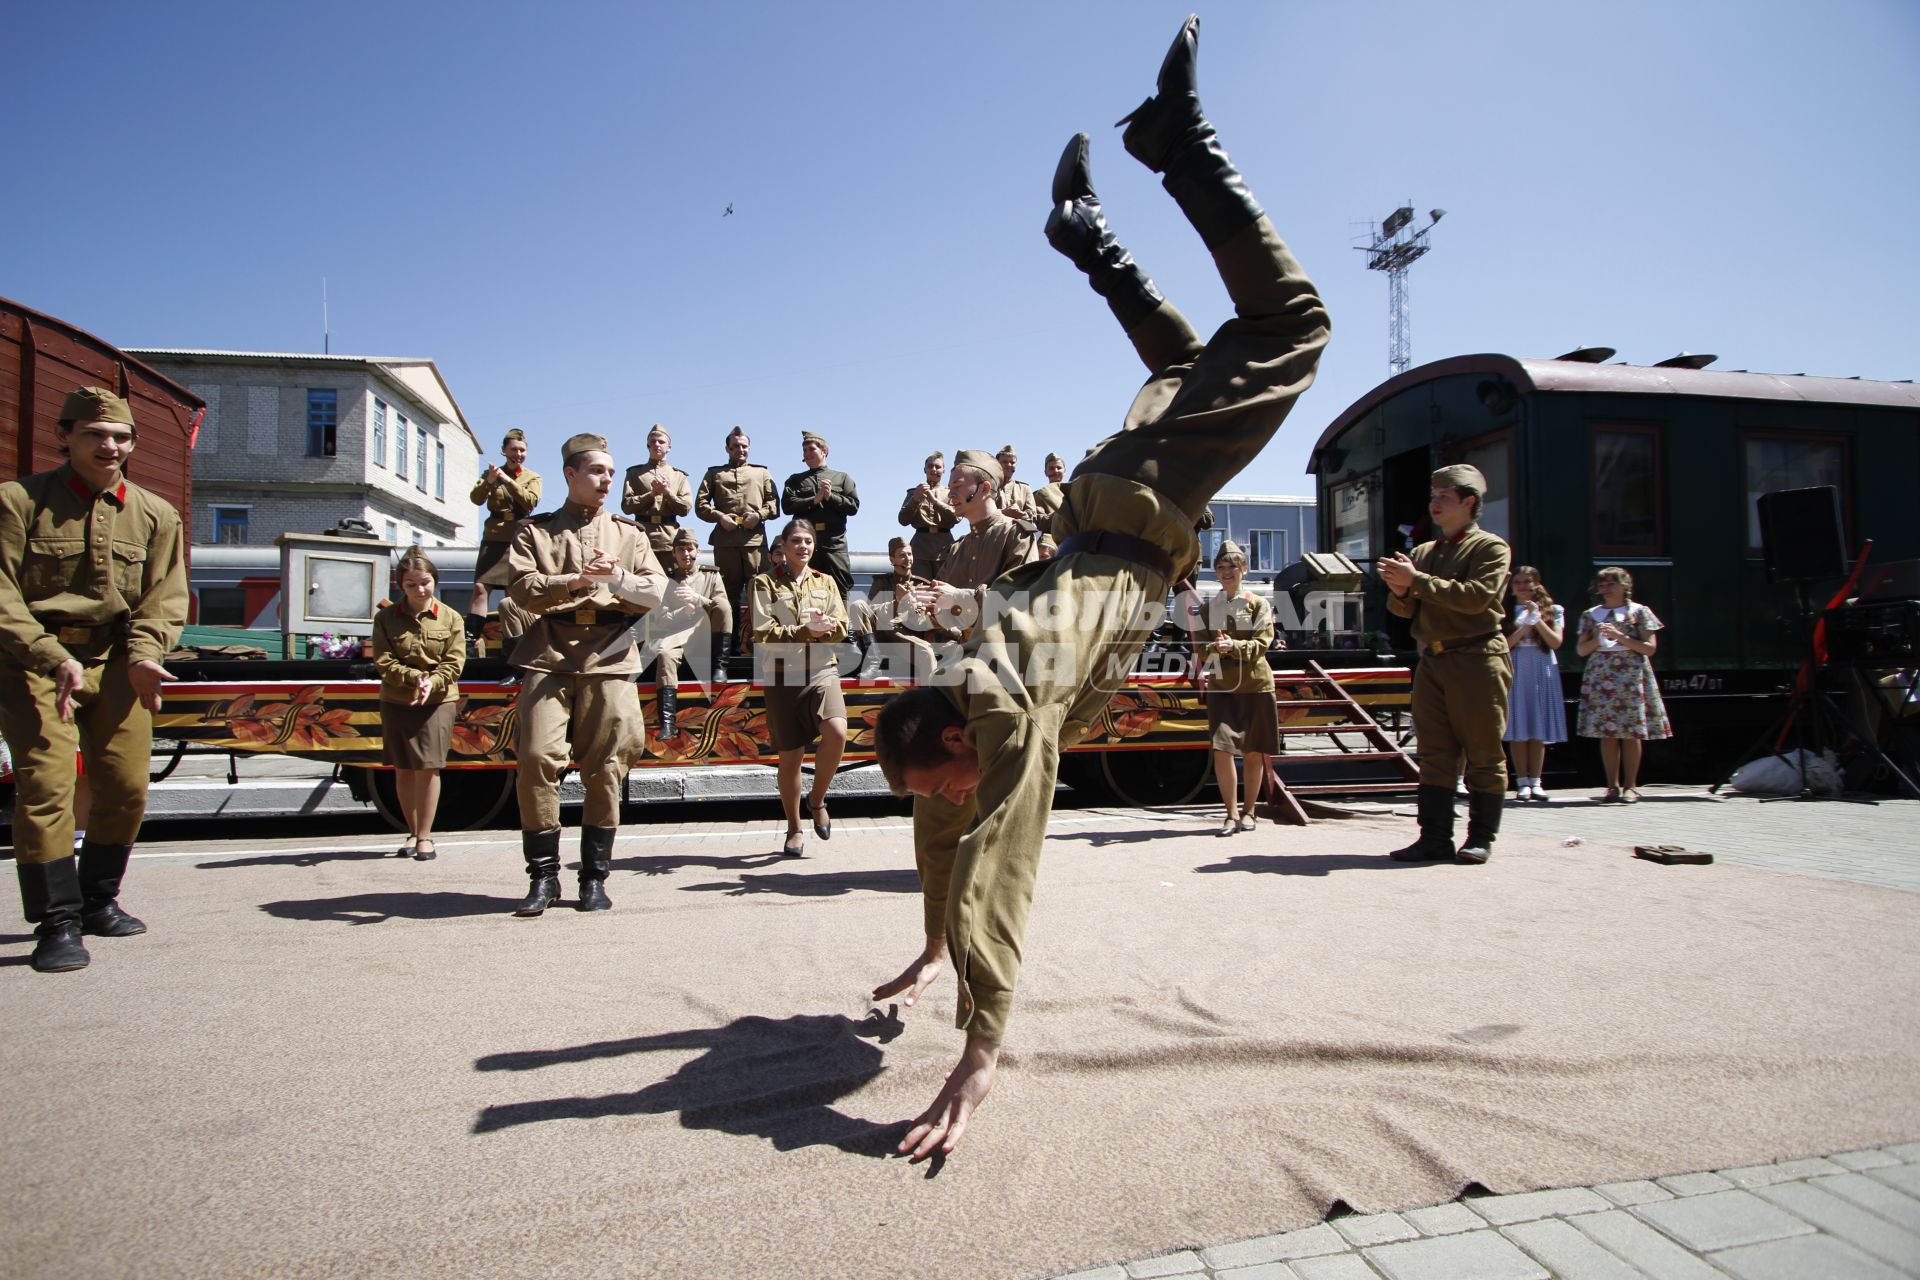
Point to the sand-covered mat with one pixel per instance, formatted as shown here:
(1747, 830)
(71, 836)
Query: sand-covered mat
(330, 1064)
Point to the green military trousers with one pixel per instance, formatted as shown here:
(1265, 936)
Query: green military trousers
(1460, 714)
(595, 720)
(113, 734)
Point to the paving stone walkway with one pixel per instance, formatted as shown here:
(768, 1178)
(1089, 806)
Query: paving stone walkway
(1850, 1216)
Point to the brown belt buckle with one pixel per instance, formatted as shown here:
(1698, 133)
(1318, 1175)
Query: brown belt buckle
(1439, 646)
(583, 617)
(75, 635)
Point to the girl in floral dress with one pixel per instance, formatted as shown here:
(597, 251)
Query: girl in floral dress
(1619, 694)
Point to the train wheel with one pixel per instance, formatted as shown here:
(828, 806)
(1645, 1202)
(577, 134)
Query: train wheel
(1147, 778)
(469, 798)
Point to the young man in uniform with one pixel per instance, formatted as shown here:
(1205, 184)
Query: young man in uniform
(825, 498)
(1016, 496)
(658, 494)
(93, 593)
(1047, 499)
(905, 632)
(738, 498)
(510, 493)
(693, 615)
(589, 576)
(1454, 588)
(991, 546)
(982, 755)
(927, 513)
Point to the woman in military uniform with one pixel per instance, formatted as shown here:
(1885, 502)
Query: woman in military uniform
(419, 649)
(1242, 719)
(798, 618)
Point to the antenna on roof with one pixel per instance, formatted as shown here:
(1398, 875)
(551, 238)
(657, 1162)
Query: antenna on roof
(326, 331)
(1395, 246)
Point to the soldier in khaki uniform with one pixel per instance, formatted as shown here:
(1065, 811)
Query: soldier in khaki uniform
(419, 649)
(590, 576)
(1454, 588)
(904, 633)
(991, 546)
(1016, 496)
(983, 752)
(825, 498)
(931, 518)
(738, 499)
(1048, 499)
(93, 593)
(693, 614)
(510, 493)
(799, 621)
(658, 494)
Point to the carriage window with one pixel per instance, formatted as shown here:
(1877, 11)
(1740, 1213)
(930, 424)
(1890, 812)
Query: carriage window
(1791, 462)
(1352, 520)
(1627, 490)
(1493, 455)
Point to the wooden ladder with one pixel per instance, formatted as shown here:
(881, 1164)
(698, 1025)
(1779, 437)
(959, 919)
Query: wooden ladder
(1327, 694)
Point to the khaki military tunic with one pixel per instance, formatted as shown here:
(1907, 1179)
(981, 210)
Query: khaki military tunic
(1047, 500)
(659, 516)
(1460, 685)
(799, 672)
(1204, 413)
(1017, 497)
(509, 500)
(738, 553)
(408, 645)
(100, 579)
(906, 637)
(678, 625)
(579, 657)
(928, 514)
(988, 549)
(801, 497)
(1242, 716)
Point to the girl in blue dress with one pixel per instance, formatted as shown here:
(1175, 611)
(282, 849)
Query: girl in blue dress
(1536, 709)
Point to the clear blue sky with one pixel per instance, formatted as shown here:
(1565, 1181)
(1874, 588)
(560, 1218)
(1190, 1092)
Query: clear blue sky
(532, 196)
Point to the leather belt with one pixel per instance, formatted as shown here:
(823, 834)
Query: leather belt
(1124, 546)
(1448, 646)
(80, 633)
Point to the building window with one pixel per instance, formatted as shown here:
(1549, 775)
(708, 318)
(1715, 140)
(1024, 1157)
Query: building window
(440, 470)
(416, 537)
(1266, 549)
(379, 432)
(420, 459)
(1210, 540)
(393, 532)
(1493, 455)
(323, 413)
(1628, 490)
(1352, 519)
(1775, 462)
(400, 446)
(230, 526)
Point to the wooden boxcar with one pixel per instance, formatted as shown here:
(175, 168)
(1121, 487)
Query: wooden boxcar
(42, 359)
(1656, 468)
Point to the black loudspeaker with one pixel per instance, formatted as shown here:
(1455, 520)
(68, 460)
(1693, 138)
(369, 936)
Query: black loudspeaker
(1800, 534)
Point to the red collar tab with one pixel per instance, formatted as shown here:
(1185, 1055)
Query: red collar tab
(1463, 533)
(85, 494)
(512, 470)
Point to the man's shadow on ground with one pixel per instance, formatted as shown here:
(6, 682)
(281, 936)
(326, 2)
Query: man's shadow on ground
(376, 908)
(1313, 864)
(663, 864)
(296, 859)
(828, 884)
(759, 1077)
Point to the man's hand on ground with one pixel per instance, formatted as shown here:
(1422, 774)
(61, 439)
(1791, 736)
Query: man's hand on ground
(941, 1126)
(916, 977)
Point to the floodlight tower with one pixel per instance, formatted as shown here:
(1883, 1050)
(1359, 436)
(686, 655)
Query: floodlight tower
(1394, 248)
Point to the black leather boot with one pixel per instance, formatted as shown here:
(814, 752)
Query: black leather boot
(667, 703)
(50, 896)
(476, 634)
(102, 866)
(722, 650)
(1483, 824)
(1079, 230)
(1169, 134)
(1436, 828)
(542, 850)
(596, 861)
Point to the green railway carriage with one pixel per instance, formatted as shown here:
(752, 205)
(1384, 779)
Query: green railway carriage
(1657, 468)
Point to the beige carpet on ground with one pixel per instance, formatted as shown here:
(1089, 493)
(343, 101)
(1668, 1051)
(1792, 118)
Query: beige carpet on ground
(327, 1064)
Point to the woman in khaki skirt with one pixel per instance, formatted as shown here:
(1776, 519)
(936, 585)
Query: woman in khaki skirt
(419, 648)
(797, 619)
(1241, 715)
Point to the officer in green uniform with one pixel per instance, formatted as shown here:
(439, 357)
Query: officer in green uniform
(510, 493)
(738, 498)
(825, 498)
(589, 575)
(982, 755)
(1454, 588)
(93, 593)
(657, 494)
